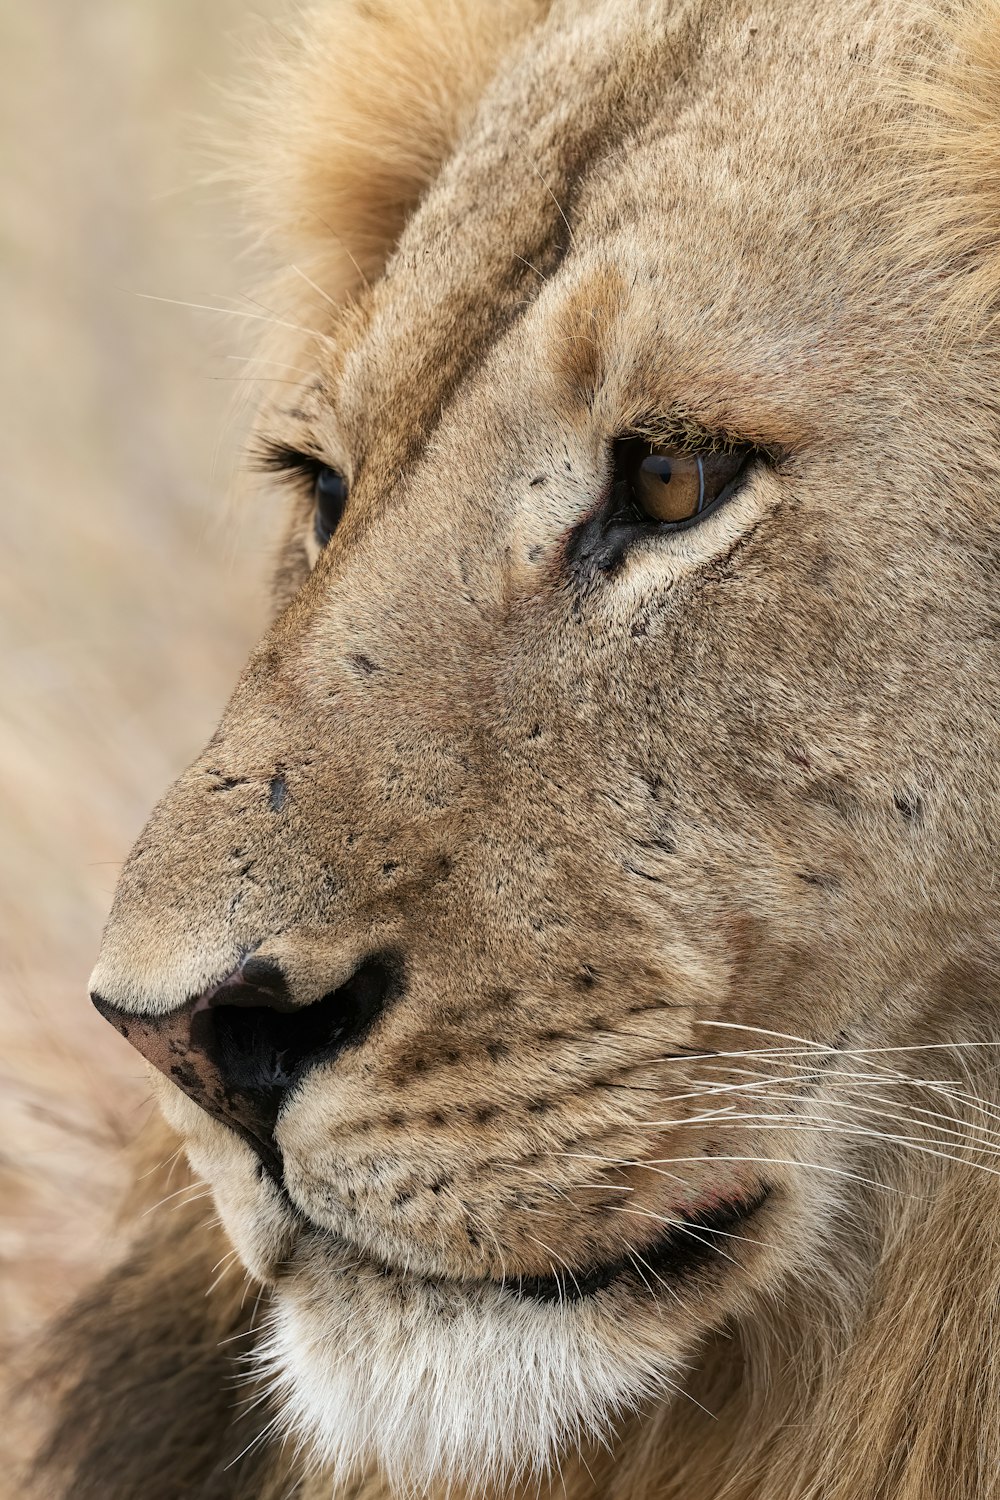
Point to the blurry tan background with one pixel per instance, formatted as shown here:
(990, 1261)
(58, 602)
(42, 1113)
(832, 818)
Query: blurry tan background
(130, 586)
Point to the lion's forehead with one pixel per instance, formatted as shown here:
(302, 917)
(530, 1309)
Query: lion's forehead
(715, 172)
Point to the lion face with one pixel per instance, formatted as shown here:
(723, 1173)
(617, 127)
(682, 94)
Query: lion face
(515, 937)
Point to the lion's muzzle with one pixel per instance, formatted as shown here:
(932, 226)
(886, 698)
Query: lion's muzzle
(238, 1048)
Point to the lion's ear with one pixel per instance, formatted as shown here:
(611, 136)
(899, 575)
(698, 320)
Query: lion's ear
(357, 112)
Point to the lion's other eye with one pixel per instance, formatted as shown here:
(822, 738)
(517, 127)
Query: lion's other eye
(673, 487)
(331, 495)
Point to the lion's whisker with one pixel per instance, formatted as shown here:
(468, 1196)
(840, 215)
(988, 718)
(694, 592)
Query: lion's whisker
(826, 1128)
(234, 312)
(168, 1162)
(257, 359)
(940, 1087)
(967, 1131)
(316, 288)
(552, 1270)
(260, 1437)
(198, 1189)
(672, 1223)
(813, 1047)
(225, 1263)
(657, 1164)
(615, 1161)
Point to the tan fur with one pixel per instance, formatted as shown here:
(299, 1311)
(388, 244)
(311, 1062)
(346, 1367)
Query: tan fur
(691, 866)
(951, 146)
(362, 104)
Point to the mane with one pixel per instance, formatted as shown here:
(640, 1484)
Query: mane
(950, 145)
(358, 105)
(877, 1375)
(144, 1376)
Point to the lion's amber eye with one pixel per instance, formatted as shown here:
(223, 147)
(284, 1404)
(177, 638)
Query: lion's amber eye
(674, 487)
(331, 496)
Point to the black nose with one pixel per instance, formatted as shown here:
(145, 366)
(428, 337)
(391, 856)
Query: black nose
(241, 1046)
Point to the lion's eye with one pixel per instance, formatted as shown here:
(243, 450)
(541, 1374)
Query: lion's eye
(675, 488)
(331, 495)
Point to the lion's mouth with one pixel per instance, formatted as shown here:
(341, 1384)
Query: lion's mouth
(686, 1249)
(691, 1247)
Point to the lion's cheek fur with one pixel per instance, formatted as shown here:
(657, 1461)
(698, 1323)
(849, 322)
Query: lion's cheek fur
(254, 1213)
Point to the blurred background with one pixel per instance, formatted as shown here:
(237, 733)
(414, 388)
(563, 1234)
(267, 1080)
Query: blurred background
(131, 579)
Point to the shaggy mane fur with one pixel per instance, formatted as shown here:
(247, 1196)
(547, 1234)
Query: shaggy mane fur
(362, 102)
(954, 135)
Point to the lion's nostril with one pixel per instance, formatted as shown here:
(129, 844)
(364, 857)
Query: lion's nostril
(260, 1046)
(239, 1047)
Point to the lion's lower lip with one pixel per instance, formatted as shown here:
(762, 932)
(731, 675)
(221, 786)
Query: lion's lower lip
(683, 1250)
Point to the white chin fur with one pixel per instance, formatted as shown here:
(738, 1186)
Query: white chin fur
(448, 1384)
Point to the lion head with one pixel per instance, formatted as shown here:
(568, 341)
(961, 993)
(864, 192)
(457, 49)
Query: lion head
(554, 955)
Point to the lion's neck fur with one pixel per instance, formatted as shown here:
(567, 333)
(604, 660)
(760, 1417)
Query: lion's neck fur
(873, 1376)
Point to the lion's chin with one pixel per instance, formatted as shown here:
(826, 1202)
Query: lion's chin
(454, 1383)
(439, 1381)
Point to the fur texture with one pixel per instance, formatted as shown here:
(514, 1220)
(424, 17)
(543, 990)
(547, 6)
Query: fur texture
(361, 106)
(687, 862)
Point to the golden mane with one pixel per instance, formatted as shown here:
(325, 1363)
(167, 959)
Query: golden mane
(359, 104)
(951, 139)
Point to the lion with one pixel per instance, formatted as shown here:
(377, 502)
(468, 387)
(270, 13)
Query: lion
(572, 963)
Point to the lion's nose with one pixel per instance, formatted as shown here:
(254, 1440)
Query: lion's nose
(242, 1045)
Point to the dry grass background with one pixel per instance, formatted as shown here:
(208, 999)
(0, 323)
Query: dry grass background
(129, 588)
